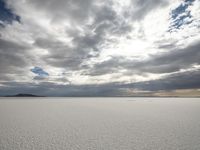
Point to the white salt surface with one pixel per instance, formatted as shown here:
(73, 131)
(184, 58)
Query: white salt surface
(99, 124)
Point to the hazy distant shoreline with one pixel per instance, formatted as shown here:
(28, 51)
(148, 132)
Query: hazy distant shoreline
(40, 96)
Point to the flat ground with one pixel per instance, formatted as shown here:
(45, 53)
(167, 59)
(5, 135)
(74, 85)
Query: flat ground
(99, 124)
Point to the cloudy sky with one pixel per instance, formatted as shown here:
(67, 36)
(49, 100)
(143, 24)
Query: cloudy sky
(99, 47)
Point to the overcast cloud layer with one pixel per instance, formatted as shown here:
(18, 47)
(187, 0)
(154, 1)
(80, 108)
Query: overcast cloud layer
(99, 48)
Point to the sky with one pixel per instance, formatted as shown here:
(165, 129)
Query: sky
(100, 47)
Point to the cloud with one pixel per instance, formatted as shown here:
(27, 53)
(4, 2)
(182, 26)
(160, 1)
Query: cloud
(75, 10)
(165, 62)
(86, 41)
(12, 60)
(140, 8)
(186, 80)
(95, 47)
(52, 89)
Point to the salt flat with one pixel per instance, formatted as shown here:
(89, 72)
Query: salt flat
(99, 124)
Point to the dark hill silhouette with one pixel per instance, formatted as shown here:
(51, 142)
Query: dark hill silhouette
(23, 95)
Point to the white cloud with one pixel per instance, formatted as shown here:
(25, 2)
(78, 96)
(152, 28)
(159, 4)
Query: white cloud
(69, 38)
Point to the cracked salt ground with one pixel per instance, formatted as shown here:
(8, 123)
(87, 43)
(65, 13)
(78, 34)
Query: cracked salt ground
(99, 124)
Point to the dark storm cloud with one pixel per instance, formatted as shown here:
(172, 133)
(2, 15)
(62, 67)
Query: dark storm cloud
(166, 44)
(92, 26)
(112, 65)
(186, 80)
(55, 47)
(60, 54)
(52, 89)
(106, 23)
(12, 60)
(165, 62)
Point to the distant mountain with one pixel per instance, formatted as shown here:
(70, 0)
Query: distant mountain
(23, 95)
